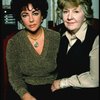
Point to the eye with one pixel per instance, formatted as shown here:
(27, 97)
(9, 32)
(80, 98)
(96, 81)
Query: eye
(65, 11)
(36, 13)
(24, 15)
(76, 11)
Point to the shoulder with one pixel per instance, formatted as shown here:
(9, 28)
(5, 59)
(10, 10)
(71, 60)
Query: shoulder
(95, 48)
(19, 33)
(96, 42)
(52, 33)
(51, 30)
(16, 37)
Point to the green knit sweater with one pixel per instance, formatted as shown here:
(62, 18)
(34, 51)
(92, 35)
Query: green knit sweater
(26, 66)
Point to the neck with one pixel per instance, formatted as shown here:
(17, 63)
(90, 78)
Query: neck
(36, 35)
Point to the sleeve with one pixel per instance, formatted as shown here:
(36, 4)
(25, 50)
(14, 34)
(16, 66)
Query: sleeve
(87, 79)
(14, 73)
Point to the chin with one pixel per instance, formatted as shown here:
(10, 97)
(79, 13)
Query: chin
(71, 29)
(32, 29)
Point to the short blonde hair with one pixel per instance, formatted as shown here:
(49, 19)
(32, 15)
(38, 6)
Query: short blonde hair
(86, 6)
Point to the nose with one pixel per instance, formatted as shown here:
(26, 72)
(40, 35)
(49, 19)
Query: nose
(70, 16)
(31, 19)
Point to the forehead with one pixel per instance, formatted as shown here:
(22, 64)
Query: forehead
(29, 7)
(73, 7)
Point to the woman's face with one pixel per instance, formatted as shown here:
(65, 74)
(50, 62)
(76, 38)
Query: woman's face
(73, 18)
(31, 18)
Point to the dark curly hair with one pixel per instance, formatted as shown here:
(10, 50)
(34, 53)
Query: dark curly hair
(18, 5)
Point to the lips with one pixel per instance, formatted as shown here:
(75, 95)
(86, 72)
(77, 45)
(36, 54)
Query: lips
(70, 23)
(32, 26)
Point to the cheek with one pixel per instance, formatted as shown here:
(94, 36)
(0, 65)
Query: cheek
(39, 20)
(81, 17)
(64, 17)
(25, 21)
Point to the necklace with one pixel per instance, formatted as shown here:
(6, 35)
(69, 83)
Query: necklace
(36, 44)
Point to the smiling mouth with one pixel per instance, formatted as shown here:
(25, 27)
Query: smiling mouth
(70, 23)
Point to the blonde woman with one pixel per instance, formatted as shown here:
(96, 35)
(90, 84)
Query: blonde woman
(78, 61)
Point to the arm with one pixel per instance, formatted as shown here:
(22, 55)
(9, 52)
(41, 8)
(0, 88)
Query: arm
(14, 73)
(86, 79)
(27, 96)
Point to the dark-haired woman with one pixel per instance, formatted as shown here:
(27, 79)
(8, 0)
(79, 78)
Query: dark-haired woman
(31, 53)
